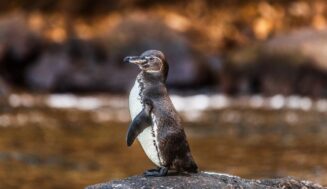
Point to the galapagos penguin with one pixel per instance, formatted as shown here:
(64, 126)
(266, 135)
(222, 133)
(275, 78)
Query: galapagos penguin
(155, 122)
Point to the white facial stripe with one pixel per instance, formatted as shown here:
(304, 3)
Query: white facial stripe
(158, 59)
(153, 71)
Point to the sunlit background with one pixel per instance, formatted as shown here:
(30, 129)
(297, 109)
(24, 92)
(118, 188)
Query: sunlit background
(248, 77)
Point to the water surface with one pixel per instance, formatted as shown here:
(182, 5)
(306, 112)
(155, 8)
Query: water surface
(44, 147)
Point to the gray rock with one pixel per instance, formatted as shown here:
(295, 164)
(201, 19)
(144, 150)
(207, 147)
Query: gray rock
(204, 180)
(293, 63)
(4, 88)
(304, 44)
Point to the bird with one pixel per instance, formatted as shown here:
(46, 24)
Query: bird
(155, 121)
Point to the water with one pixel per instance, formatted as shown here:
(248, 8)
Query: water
(42, 146)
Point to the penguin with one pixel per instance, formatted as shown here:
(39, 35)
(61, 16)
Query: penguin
(155, 121)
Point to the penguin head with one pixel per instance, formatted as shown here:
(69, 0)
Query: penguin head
(152, 62)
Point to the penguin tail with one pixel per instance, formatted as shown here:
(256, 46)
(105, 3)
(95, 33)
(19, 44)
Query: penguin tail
(192, 168)
(190, 165)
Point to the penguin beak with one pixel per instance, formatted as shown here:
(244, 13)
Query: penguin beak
(134, 60)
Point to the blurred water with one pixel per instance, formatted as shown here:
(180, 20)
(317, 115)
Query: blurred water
(61, 141)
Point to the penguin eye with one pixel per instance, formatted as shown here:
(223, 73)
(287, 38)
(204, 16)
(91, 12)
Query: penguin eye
(151, 58)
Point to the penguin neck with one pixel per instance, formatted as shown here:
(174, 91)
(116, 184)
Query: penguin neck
(151, 78)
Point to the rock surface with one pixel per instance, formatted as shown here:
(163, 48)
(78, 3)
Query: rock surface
(205, 180)
(293, 63)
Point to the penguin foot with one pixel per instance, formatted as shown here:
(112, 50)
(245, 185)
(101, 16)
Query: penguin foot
(159, 172)
(153, 170)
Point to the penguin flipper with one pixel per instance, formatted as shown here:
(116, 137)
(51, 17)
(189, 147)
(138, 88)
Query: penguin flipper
(139, 123)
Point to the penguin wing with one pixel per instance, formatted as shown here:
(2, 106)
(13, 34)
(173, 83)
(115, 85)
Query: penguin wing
(139, 123)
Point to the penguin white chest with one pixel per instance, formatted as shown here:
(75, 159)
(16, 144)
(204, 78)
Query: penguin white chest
(148, 138)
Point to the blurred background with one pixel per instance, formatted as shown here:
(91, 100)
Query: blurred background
(249, 78)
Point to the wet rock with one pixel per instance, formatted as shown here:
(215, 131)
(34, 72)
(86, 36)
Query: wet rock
(4, 88)
(79, 66)
(288, 64)
(306, 44)
(74, 66)
(19, 48)
(204, 180)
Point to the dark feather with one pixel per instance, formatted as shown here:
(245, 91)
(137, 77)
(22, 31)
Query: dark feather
(139, 123)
